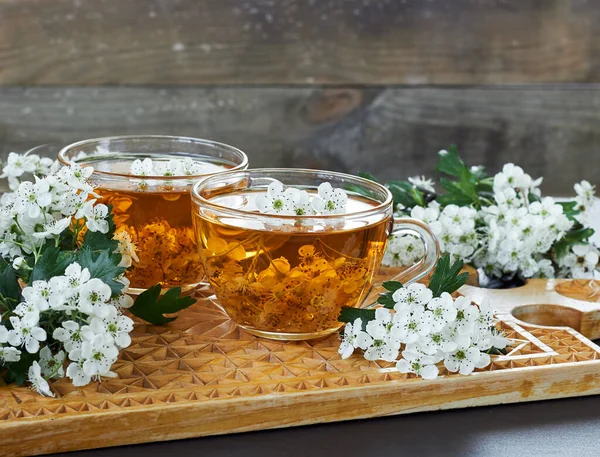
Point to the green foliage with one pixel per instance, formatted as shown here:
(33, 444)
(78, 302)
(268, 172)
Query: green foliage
(570, 210)
(351, 314)
(405, 194)
(102, 265)
(392, 286)
(368, 176)
(151, 306)
(451, 164)
(446, 277)
(578, 234)
(17, 372)
(10, 292)
(385, 298)
(465, 190)
(52, 262)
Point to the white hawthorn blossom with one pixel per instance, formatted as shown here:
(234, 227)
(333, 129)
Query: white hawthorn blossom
(580, 262)
(72, 322)
(422, 182)
(414, 361)
(426, 330)
(354, 337)
(173, 167)
(143, 168)
(290, 201)
(52, 365)
(510, 235)
(334, 200)
(465, 359)
(37, 381)
(403, 250)
(18, 165)
(26, 332)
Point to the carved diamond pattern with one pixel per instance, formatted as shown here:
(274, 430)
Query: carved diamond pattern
(203, 356)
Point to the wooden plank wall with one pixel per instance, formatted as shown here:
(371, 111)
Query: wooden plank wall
(374, 85)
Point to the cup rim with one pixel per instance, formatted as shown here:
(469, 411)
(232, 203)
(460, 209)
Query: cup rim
(196, 197)
(65, 161)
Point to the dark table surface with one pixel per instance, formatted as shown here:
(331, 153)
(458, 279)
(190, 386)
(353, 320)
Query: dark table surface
(568, 427)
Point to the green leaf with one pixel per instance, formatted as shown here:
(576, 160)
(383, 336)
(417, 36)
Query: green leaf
(368, 176)
(418, 196)
(469, 188)
(151, 307)
(451, 163)
(392, 286)
(351, 314)
(497, 351)
(10, 291)
(579, 235)
(576, 235)
(52, 262)
(446, 278)
(386, 300)
(17, 372)
(102, 265)
(405, 194)
(570, 210)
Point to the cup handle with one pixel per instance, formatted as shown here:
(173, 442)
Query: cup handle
(410, 226)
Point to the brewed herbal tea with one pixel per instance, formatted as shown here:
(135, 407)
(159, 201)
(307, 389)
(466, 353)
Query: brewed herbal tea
(294, 277)
(157, 216)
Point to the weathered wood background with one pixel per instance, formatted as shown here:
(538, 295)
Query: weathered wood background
(374, 85)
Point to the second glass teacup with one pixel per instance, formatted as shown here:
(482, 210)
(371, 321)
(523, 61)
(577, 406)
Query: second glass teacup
(154, 211)
(288, 276)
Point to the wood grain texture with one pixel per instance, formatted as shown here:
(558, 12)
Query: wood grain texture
(72, 42)
(573, 303)
(201, 375)
(552, 131)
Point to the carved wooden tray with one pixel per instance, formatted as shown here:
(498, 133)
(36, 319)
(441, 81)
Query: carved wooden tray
(573, 303)
(203, 376)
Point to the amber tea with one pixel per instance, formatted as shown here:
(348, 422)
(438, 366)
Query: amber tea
(284, 270)
(290, 278)
(158, 219)
(147, 181)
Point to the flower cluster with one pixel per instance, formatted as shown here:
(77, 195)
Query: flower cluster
(501, 224)
(173, 167)
(425, 331)
(403, 250)
(519, 235)
(90, 336)
(453, 226)
(44, 209)
(295, 202)
(586, 195)
(581, 261)
(20, 165)
(63, 285)
(71, 306)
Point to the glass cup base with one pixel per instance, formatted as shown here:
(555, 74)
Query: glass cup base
(186, 290)
(281, 336)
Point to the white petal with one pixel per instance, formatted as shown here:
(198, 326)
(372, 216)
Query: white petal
(429, 372)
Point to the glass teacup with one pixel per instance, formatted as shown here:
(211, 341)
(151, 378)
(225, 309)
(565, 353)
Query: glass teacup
(154, 211)
(287, 277)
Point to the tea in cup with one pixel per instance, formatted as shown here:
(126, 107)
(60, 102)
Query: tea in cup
(287, 274)
(147, 181)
